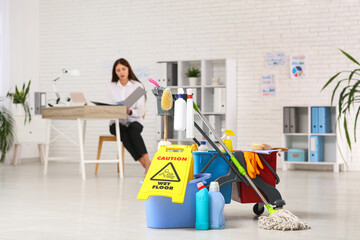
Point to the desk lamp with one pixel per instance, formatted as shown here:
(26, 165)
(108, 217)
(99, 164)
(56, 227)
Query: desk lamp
(73, 72)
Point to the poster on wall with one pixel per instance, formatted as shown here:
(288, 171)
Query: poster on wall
(268, 85)
(142, 72)
(274, 59)
(297, 66)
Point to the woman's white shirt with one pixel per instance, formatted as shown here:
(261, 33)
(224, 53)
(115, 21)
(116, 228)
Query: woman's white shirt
(118, 92)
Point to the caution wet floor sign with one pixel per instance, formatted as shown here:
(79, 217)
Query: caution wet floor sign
(171, 168)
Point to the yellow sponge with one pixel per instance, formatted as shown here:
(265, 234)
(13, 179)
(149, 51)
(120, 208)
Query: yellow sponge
(166, 100)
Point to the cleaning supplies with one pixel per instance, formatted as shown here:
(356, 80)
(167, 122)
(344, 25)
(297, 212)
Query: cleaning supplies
(226, 139)
(216, 207)
(282, 218)
(203, 147)
(202, 208)
(166, 104)
(180, 112)
(189, 115)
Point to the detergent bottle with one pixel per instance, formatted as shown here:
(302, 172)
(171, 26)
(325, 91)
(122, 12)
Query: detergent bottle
(180, 112)
(226, 139)
(203, 147)
(216, 207)
(202, 208)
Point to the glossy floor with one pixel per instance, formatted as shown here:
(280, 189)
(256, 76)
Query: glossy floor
(63, 206)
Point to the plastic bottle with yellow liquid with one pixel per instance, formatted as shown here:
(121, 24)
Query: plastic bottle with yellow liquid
(227, 140)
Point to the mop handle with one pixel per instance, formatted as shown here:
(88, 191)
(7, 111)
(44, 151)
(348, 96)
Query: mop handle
(232, 157)
(235, 161)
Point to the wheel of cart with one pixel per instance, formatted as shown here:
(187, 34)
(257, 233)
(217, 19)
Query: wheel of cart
(265, 182)
(259, 208)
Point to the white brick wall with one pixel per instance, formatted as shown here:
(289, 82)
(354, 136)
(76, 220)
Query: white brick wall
(90, 35)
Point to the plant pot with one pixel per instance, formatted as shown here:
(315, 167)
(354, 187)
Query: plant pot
(193, 81)
(17, 109)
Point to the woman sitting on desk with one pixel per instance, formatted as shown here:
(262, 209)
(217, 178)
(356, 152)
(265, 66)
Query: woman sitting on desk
(123, 83)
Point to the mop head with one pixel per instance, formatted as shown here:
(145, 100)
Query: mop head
(282, 220)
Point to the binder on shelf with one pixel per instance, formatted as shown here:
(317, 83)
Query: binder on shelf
(292, 120)
(40, 102)
(316, 148)
(324, 120)
(314, 120)
(286, 120)
(219, 100)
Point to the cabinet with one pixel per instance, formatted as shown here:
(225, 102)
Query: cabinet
(30, 133)
(299, 132)
(215, 94)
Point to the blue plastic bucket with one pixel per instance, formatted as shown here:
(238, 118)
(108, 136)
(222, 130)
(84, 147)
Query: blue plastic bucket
(217, 168)
(161, 212)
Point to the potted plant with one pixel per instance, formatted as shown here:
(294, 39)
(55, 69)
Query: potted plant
(7, 134)
(193, 74)
(348, 84)
(20, 97)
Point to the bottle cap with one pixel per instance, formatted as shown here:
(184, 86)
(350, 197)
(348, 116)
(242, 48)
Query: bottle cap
(189, 93)
(200, 186)
(181, 91)
(203, 142)
(214, 187)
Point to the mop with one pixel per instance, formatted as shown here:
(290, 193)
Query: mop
(279, 219)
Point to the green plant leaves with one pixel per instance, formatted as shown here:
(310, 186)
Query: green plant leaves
(7, 135)
(349, 95)
(21, 98)
(193, 72)
(350, 57)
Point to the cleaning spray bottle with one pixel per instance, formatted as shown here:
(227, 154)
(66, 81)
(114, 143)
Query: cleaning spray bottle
(180, 112)
(189, 115)
(226, 139)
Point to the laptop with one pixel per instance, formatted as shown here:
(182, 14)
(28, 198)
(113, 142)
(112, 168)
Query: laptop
(77, 99)
(129, 101)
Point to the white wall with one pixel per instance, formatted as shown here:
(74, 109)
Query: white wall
(4, 48)
(90, 35)
(24, 51)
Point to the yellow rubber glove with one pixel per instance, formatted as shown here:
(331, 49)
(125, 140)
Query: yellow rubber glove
(252, 163)
(249, 167)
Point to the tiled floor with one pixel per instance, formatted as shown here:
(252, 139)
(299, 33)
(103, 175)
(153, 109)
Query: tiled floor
(63, 206)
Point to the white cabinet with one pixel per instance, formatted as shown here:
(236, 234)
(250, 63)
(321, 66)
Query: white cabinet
(34, 132)
(299, 124)
(215, 94)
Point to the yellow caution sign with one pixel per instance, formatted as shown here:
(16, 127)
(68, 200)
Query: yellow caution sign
(170, 170)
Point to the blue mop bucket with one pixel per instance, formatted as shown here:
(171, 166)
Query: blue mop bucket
(161, 212)
(217, 168)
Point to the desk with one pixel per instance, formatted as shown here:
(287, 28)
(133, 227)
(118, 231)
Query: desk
(83, 113)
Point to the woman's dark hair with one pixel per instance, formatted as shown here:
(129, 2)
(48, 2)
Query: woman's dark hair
(124, 62)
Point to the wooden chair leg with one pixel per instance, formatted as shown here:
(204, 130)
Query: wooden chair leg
(41, 152)
(98, 154)
(16, 154)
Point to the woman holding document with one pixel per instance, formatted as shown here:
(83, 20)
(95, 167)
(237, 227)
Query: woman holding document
(123, 83)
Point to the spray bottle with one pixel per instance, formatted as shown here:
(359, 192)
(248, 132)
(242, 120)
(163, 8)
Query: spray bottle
(180, 112)
(226, 139)
(189, 115)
